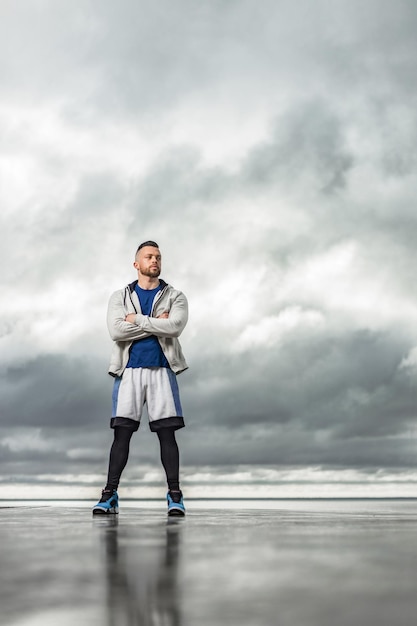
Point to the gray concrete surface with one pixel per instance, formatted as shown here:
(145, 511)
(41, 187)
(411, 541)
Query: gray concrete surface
(288, 563)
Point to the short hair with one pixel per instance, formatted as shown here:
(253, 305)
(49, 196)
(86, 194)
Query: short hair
(153, 244)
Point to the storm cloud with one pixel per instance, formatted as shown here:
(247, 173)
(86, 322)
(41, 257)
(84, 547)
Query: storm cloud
(270, 150)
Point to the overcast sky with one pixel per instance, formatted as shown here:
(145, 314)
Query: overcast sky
(270, 149)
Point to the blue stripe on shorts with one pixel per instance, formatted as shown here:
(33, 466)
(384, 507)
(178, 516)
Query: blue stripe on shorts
(175, 391)
(115, 395)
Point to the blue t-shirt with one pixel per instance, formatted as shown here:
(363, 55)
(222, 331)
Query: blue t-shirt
(147, 352)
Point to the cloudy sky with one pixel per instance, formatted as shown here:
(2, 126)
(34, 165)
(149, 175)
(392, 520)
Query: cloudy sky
(270, 149)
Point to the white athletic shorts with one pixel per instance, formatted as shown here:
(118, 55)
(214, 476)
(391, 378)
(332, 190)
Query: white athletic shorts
(155, 386)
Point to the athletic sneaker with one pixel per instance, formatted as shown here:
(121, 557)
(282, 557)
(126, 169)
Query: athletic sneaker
(175, 503)
(108, 503)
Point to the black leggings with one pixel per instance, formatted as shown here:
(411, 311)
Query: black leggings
(119, 454)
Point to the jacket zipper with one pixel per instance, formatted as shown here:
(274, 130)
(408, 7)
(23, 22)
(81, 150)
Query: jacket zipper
(133, 304)
(157, 298)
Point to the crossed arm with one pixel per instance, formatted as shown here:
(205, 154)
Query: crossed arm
(131, 317)
(134, 326)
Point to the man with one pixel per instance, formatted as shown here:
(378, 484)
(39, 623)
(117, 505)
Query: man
(144, 320)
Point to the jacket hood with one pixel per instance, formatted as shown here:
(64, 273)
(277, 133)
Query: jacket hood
(132, 286)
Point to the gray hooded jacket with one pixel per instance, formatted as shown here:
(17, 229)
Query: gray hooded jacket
(125, 301)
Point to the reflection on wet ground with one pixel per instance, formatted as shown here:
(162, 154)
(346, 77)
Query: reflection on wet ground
(141, 573)
(288, 563)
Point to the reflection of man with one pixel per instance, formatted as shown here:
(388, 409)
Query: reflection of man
(142, 579)
(144, 320)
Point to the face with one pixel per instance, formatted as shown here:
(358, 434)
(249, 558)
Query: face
(148, 261)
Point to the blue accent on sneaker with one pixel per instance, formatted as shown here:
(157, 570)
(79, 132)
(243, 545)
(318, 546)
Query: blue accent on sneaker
(175, 503)
(109, 503)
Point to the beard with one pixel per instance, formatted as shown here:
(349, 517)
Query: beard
(151, 273)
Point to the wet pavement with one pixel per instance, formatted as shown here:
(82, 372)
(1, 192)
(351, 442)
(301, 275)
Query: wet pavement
(284, 563)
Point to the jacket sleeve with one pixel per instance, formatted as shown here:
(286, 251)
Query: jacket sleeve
(119, 329)
(171, 327)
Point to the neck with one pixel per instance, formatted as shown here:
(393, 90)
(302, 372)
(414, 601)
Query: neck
(146, 282)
